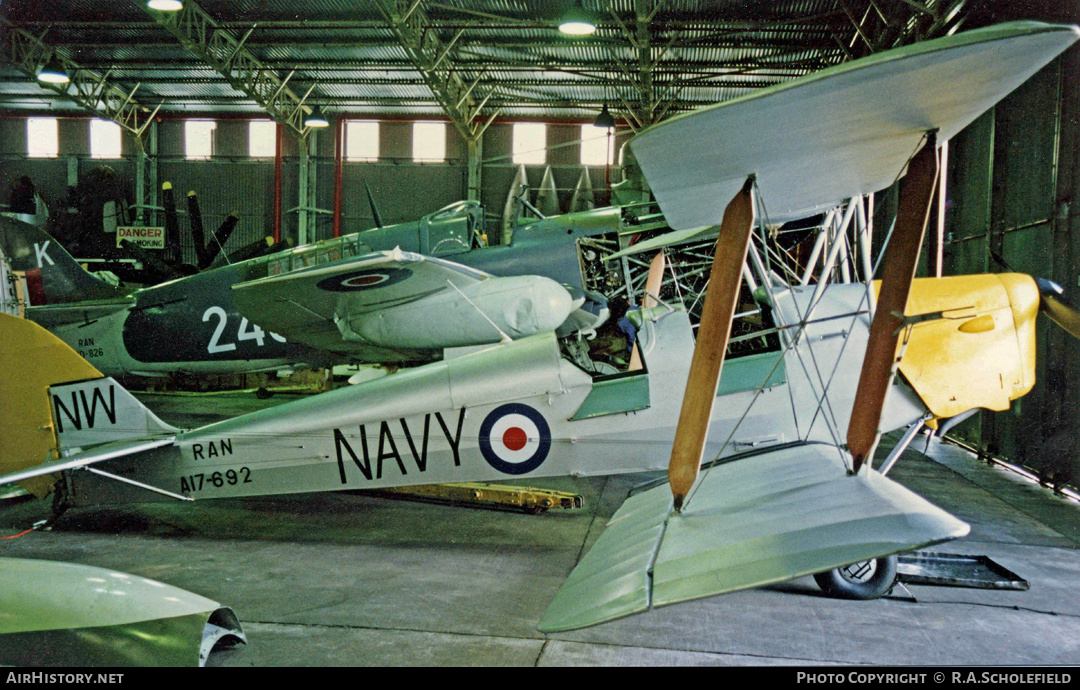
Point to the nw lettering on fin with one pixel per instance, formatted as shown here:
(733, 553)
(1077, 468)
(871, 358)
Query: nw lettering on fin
(88, 409)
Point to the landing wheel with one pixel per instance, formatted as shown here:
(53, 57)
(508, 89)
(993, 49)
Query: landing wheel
(863, 580)
(263, 393)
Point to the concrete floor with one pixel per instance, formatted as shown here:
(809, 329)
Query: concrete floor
(347, 579)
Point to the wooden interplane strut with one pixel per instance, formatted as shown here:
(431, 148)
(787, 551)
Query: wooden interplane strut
(913, 212)
(713, 332)
(653, 282)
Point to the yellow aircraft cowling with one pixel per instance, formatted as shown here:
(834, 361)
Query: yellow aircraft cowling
(977, 347)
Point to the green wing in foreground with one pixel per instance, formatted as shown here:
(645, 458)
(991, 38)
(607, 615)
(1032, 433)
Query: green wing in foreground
(65, 614)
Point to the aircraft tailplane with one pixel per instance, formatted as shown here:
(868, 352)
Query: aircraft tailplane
(53, 276)
(58, 403)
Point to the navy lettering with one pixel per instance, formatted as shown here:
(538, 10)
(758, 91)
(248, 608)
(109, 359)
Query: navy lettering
(421, 458)
(388, 447)
(384, 434)
(340, 442)
(456, 440)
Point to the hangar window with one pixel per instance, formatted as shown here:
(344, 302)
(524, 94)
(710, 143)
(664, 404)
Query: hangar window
(530, 143)
(104, 139)
(41, 137)
(429, 142)
(262, 138)
(596, 148)
(199, 139)
(362, 140)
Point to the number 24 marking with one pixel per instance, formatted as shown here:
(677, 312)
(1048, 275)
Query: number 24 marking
(247, 331)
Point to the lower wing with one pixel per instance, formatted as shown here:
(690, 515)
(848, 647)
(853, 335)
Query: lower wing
(754, 520)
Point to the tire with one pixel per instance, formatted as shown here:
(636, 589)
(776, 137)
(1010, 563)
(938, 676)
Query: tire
(263, 394)
(864, 580)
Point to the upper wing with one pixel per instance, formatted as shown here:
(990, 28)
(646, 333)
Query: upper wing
(400, 302)
(752, 521)
(668, 239)
(840, 132)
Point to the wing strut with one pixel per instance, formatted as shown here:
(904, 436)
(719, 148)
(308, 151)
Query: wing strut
(653, 282)
(712, 338)
(916, 195)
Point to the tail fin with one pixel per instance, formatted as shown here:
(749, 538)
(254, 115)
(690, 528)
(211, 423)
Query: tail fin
(53, 276)
(31, 360)
(54, 401)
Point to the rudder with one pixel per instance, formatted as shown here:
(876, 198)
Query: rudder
(53, 275)
(31, 360)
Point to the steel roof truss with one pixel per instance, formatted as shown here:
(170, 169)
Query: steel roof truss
(200, 34)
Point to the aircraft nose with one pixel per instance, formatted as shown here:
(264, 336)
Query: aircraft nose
(548, 306)
(528, 304)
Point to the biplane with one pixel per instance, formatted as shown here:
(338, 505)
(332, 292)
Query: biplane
(774, 482)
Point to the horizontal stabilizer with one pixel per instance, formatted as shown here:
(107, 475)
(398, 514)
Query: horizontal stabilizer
(753, 521)
(53, 315)
(106, 451)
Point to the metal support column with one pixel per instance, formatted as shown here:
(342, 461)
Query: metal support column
(302, 190)
(279, 160)
(146, 175)
(476, 154)
(339, 158)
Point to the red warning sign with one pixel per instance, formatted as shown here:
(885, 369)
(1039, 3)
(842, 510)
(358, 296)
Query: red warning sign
(147, 238)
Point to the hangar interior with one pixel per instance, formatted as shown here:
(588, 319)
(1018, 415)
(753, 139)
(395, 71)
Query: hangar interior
(390, 576)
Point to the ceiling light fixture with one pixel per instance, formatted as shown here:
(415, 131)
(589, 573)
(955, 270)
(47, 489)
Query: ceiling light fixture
(53, 72)
(165, 5)
(316, 119)
(577, 22)
(604, 119)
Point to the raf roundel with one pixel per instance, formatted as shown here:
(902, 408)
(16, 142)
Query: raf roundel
(364, 280)
(515, 438)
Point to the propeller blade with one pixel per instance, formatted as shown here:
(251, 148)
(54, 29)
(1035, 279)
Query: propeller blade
(250, 251)
(374, 208)
(172, 254)
(198, 235)
(916, 195)
(151, 261)
(653, 283)
(221, 236)
(713, 332)
(1053, 304)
